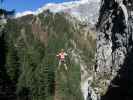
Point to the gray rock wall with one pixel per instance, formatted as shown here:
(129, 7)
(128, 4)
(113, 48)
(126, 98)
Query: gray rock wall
(114, 34)
(115, 47)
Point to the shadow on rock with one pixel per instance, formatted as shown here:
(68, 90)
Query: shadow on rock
(121, 87)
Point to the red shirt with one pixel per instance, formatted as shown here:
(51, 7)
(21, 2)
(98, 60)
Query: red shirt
(62, 56)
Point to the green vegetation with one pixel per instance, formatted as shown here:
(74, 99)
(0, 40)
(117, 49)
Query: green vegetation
(33, 65)
(68, 83)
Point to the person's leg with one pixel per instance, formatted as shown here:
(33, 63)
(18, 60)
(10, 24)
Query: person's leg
(65, 66)
(59, 65)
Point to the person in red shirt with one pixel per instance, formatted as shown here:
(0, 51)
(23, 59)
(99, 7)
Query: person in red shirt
(62, 55)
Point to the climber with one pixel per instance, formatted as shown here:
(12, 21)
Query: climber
(62, 55)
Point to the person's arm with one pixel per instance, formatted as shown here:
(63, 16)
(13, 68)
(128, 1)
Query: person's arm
(58, 55)
(65, 54)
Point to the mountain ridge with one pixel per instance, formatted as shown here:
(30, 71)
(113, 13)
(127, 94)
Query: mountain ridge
(76, 9)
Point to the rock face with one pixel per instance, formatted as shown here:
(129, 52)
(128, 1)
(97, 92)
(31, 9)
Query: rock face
(115, 47)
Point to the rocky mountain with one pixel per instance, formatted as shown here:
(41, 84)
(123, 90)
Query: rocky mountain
(84, 10)
(99, 66)
(114, 48)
